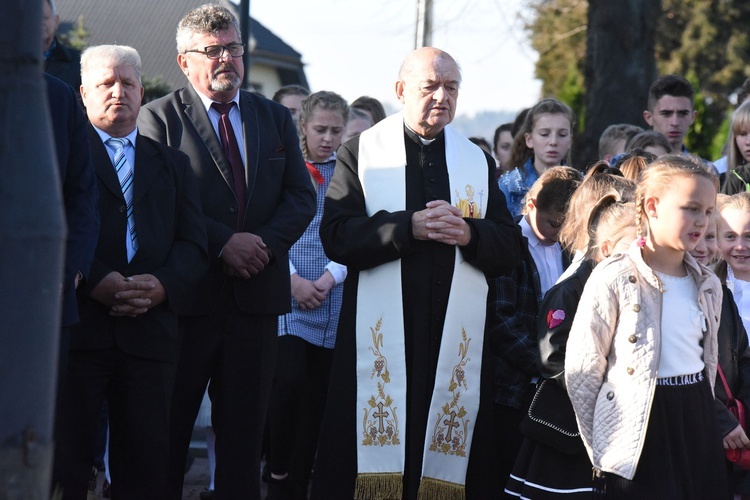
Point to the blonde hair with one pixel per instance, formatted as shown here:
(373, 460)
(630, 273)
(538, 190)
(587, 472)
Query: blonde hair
(610, 219)
(739, 201)
(599, 182)
(633, 166)
(740, 122)
(658, 176)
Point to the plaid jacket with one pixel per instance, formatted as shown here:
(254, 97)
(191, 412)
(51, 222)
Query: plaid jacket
(513, 332)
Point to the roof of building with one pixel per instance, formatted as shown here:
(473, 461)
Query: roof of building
(149, 26)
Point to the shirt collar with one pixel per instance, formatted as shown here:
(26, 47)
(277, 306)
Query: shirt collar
(207, 101)
(528, 232)
(51, 49)
(418, 138)
(105, 136)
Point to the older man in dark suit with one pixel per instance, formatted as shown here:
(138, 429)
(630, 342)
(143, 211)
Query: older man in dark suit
(151, 252)
(257, 200)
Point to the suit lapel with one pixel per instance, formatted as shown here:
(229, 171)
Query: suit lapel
(148, 163)
(251, 132)
(197, 115)
(105, 171)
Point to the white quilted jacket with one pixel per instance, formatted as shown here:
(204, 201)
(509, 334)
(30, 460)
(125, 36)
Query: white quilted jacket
(613, 354)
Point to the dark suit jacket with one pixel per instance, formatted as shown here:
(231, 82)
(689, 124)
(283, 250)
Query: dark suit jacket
(65, 63)
(171, 246)
(280, 199)
(78, 188)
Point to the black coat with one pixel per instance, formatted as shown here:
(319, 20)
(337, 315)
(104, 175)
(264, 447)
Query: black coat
(553, 337)
(359, 241)
(280, 199)
(65, 63)
(171, 246)
(734, 359)
(79, 190)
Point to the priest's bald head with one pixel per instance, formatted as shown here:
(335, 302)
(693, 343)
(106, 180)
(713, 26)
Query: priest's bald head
(428, 86)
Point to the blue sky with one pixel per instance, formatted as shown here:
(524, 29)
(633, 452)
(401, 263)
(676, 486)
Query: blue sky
(355, 47)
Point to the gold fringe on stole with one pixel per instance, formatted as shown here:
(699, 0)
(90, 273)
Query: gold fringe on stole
(435, 489)
(378, 486)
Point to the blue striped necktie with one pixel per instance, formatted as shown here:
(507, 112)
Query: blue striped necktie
(125, 175)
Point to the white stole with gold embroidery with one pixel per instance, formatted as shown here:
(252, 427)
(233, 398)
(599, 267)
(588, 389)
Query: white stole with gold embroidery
(381, 364)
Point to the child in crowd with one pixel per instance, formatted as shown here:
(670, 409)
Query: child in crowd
(358, 122)
(642, 351)
(559, 467)
(635, 162)
(291, 97)
(600, 180)
(738, 172)
(482, 143)
(371, 106)
(734, 355)
(650, 141)
(517, 297)
(502, 144)
(307, 334)
(734, 245)
(613, 140)
(543, 215)
(543, 142)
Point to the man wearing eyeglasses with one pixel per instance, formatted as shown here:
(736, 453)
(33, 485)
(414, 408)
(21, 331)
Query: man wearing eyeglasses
(257, 200)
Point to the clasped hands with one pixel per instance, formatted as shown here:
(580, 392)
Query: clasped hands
(441, 222)
(131, 295)
(245, 255)
(311, 294)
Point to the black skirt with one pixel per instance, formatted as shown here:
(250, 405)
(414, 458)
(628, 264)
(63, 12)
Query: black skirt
(543, 472)
(683, 455)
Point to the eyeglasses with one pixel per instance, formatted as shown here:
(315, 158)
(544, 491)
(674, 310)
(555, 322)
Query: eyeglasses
(217, 51)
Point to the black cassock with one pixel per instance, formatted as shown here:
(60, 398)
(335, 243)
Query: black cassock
(360, 242)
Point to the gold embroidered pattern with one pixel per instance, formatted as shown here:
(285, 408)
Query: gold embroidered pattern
(380, 423)
(451, 428)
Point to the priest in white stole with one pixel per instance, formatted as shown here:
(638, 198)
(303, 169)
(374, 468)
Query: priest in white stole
(415, 213)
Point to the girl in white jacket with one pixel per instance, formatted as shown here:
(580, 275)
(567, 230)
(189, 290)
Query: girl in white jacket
(642, 352)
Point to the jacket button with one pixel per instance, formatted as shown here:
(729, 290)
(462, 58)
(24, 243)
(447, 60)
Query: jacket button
(610, 395)
(633, 339)
(631, 278)
(636, 308)
(233, 209)
(123, 208)
(630, 370)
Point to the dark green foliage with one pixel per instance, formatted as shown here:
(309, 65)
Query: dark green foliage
(707, 41)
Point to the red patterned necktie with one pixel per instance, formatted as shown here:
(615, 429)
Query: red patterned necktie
(232, 152)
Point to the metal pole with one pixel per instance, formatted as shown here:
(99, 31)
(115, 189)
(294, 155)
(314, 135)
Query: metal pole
(32, 231)
(424, 24)
(246, 33)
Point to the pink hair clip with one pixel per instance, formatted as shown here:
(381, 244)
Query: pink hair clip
(641, 241)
